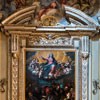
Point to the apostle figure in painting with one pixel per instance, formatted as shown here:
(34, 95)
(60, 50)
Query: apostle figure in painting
(49, 67)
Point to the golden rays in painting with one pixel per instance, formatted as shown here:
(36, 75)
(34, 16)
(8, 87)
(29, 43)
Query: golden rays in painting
(60, 56)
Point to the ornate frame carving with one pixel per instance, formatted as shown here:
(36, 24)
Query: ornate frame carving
(20, 43)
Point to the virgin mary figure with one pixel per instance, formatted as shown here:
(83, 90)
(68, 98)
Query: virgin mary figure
(49, 67)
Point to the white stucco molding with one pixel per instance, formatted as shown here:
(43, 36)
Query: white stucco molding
(21, 14)
(80, 15)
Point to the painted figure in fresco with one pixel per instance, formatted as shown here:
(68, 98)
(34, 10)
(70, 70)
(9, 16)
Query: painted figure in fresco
(49, 67)
(48, 8)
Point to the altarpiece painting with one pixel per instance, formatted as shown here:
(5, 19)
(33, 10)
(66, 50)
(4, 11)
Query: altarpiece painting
(50, 75)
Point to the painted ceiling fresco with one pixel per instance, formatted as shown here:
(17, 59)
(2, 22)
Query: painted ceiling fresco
(7, 7)
(87, 6)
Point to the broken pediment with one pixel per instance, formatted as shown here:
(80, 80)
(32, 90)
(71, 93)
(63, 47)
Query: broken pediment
(50, 13)
(54, 17)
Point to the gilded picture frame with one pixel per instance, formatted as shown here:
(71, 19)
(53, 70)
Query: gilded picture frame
(44, 52)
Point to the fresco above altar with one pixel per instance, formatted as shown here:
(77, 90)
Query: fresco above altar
(87, 6)
(50, 13)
